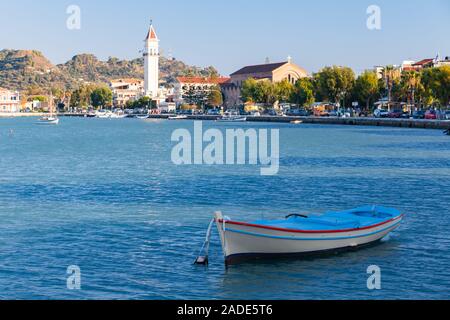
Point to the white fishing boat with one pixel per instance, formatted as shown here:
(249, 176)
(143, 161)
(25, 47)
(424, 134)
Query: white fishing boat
(117, 116)
(179, 117)
(49, 120)
(232, 116)
(143, 117)
(52, 118)
(304, 234)
(103, 114)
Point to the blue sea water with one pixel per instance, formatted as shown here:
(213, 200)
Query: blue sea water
(105, 196)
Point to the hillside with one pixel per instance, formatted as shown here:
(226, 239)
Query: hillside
(24, 69)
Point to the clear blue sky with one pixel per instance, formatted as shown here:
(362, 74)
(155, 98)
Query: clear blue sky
(233, 33)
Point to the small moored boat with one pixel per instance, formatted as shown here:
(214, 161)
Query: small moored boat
(178, 118)
(305, 234)
(48, 120)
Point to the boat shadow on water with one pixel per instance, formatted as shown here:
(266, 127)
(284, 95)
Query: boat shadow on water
(299, 258)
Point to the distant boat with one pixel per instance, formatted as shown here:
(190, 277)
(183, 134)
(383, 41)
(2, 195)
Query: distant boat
(143, 117)
(118, 116)
(103, 114)
(49, 120)
(305, 234)
(180, 117)
(52, 118)
(296, 122)
(232, 117)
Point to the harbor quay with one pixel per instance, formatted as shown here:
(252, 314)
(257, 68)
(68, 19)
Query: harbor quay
(402, 123)
(361, 121)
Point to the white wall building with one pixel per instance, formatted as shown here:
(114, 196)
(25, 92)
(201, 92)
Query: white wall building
(151, 64)
(196, 86)
(125, 90)
(9, 101)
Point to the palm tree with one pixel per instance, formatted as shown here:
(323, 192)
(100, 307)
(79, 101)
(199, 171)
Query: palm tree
(389, 80)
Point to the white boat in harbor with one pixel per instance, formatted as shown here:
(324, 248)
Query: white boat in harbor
(103, 114)
(232, 117)
(303, 235)
(180, 117)
(52, 118)
(49, 120)
(117, 116)
(107, 114)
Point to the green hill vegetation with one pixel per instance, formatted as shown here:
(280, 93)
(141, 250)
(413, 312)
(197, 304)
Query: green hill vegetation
(31, 72)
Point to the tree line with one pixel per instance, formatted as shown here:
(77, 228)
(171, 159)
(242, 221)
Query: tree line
(98, 96)
(428, 87)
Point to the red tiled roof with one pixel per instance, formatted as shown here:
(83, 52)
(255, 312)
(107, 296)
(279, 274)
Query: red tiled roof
(219, 80)
(151, 34)
(423, 62)
(261, 68)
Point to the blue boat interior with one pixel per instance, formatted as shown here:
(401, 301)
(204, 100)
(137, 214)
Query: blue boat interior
(351, 219)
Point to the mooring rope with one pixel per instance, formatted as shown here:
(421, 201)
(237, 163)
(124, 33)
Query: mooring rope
(203, 259)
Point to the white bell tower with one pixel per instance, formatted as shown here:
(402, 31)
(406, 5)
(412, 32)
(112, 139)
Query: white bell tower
(151, 64)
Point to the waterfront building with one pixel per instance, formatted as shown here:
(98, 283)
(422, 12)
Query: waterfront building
(417, 66)
(151, 64)
(274, 72)
(9, 101)
(187, 87)
(125, 90)
(34, 104)
(444, 62)
(167, 107)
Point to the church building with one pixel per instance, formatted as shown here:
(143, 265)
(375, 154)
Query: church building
(274, 72)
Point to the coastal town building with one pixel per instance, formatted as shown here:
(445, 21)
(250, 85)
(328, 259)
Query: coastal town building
(125, 90)
(9, 101)
(411, 65)
(274, 72)
(443, 62)
(188, 87)
(417, 66)
(36, 105)
(151, 64)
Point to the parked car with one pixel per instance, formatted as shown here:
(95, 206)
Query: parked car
(395, 114)
(185, 112)
(333, 113)
(381, 113)
(271, 112)
(447, 115)
(419, 114)
(213, 112)
(298, 113)
(430, 115)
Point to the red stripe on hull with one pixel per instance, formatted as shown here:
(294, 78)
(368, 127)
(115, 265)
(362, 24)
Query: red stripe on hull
(308, 231)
